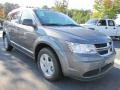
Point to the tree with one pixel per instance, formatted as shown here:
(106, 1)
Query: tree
(106, 8)
(1, 11)
(80, 16)
(61, 5)
(117, 6)
(45, 7)
(9, 6)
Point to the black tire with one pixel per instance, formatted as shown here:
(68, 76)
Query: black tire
(57, 69)
(119, 38)
(8, 47)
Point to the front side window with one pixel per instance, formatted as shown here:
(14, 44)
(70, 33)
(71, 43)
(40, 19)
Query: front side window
(53, 18)
(102, 23)
(26, 15)
(92, 21)
(111, 23)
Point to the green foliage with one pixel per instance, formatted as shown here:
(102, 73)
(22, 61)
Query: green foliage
(1, 12)
(9, 6)
(45, 7)
(117, 6)
(106, 8)
(61, 5)
(80, 16)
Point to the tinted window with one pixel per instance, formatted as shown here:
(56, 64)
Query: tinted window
(102, 23)
(47, 17)
(92, 21)
(111, 23)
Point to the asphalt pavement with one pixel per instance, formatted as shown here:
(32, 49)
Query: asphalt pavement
(19, 72)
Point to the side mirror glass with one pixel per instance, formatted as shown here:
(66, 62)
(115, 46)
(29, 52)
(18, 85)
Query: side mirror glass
(28, 22)
(99, 24)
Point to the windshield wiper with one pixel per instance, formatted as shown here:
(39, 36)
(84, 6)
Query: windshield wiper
(71, 25)
(52, 24)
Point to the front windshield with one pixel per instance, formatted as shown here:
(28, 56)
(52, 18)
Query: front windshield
(92, 21)
(48, 17)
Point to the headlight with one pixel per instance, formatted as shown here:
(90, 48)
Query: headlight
(81, 48)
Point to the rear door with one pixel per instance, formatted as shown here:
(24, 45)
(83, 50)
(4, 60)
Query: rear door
(112, 29)
(10, 25)
(14, 22)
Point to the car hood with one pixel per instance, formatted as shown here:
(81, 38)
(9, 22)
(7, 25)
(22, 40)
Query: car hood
(77, 34)
(84, 25)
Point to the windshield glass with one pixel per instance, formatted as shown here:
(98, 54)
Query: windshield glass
(48, 17)
(92, 21)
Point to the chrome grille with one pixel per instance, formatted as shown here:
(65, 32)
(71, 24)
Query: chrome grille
(104, 48)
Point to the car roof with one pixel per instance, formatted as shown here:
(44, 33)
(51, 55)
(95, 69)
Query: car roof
(27, 8)
(100, 19)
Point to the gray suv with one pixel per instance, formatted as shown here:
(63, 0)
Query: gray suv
(58, 44)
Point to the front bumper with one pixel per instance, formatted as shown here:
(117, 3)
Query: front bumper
(94, 67)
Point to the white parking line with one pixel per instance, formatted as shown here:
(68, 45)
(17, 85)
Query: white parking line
(118, 50)
(117, 61)
(0, 33)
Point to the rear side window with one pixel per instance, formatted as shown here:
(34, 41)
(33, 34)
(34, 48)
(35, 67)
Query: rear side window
(102, 23)
(15, 17)
(111, 23)
(8, 18)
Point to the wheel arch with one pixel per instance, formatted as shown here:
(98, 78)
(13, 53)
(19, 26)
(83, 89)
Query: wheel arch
(4, 33)
(46, 45)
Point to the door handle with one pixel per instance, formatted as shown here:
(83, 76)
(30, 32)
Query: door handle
(114, 28)
(105, 27)
(26, 33)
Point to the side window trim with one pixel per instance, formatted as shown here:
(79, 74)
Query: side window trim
(112, 22)
(35, 18)
(20, 16)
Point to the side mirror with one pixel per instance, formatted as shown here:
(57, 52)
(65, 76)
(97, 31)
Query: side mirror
(99, 24)
(28, 22)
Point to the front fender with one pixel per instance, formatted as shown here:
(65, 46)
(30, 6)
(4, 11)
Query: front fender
(57, 47)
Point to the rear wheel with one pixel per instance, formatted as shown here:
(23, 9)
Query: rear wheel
(6, 43)
(119, 37)
(49, 65)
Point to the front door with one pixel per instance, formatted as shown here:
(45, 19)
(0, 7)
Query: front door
(28, 33)
(102, 27)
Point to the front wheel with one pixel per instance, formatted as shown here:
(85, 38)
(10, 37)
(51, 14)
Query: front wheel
(6, 44)
(119, 38)
(49, 65)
